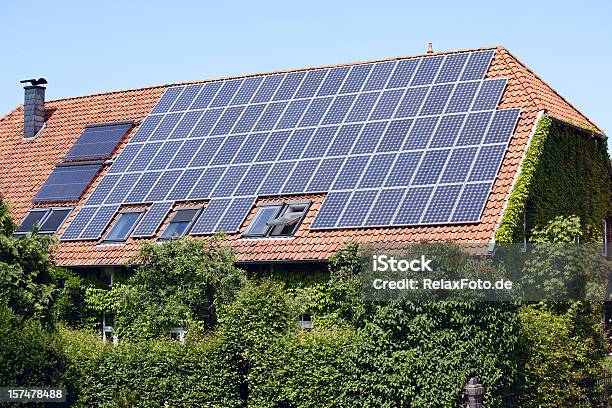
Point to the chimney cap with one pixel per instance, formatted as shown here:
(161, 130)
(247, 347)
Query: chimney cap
(430, 48)
(35, 82)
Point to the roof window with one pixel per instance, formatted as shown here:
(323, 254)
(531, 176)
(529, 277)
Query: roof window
(123, 227)
(46, 220)
(277, 220)
(181, 223)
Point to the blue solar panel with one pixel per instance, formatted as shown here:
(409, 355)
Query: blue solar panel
(403, 73)
(289, 86)
(474, 129)
(163, 185)
(229, 181)
(437, 99)
(333, 81)
(270, 116)
(442, 203)
(67, 182)
(235, 214)
(394, 137)
(267, 88)
(487, 162)
(206, 95)
(412, 206)
(431, 167)
(370, 136)
(144, 156)
(459, 165)
(333, 205)
(167, 99)
(477, 65)
(185, 125)
(208, 181)
(146, 128)
(212, 213)
(344, 140)
(324, 131)
(164, 155)
(471, 202)
(152, 219)
(250, 148)
(338, 109)
(99, 222)
(207, 151)
(451, 68)
(325, 175)
(276, 178)
(421, 133)
(296, 144)
(489, 94)
(356, 78)
(502, 126)
(253, 179)
(320, 141)
(98, 142)
(403, 169)
(142, 187)
(226, 93)
(183, 102)
(462, 97)
(377, 171)
(227, 120)
(106, 185)
(351, 172)
(386, 105)
(384, 208)
(166, 126)
(412, 101)
(447, 131)
(379, 76)
(363, 107)
(183, 186)
(301, 175)
(78, 223)
(357, 208)
(428, 68)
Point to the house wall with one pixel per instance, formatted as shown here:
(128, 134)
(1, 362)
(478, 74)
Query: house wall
(566, 172)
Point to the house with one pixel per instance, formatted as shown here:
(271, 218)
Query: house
(294, 164)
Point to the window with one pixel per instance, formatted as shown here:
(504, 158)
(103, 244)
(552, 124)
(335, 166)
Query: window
(306, 322)
(123, 227)
(47, 220)
(178, 333)
(181, 223)
(277, 220)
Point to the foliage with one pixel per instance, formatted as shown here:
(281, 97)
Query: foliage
(560, 358)
(305, 369)
(7, 226)
(31, 355)
(546, 189)
(149, 373)
(179, 282)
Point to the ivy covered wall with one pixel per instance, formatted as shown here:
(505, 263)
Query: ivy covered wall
(565, 172)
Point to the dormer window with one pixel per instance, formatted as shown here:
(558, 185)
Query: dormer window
(277, 220)
(181, 223)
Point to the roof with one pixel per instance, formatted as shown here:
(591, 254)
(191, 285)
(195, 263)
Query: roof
(25, 165)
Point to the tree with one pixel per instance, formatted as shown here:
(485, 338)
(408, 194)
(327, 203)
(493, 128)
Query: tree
(181, 282)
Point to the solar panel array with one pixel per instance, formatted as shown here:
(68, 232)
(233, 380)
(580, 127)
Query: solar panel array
(403, 142)
(98, 141)
(67, 182)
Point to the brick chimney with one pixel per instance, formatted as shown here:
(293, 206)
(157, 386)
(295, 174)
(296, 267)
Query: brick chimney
(33, 106)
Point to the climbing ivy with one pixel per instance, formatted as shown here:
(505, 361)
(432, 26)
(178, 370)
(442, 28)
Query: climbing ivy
(563, 173)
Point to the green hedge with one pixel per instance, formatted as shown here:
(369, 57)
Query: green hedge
(148, 374)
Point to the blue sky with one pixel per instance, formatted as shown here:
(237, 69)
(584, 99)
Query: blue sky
(89, 47)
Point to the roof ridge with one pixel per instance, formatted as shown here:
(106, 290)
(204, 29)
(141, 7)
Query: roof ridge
(221, 78)
(540, 104)
(504, 53)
